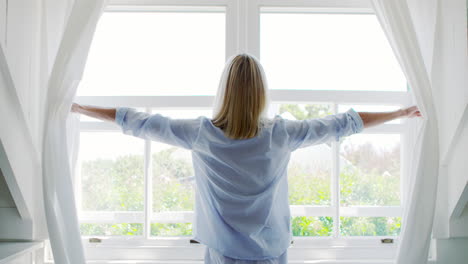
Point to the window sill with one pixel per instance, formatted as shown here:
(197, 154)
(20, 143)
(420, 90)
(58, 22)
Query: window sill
(367, 261)
(180, 250)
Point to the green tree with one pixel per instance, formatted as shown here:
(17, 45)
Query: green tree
(301, 112)
(173, 181)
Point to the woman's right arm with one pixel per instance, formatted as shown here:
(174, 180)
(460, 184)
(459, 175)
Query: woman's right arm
(373, 119)
(303, 133)
(104, 114)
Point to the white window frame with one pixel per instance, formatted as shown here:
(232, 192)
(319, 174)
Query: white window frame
(242, 35)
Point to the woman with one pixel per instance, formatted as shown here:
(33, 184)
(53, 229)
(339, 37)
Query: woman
(240, 159)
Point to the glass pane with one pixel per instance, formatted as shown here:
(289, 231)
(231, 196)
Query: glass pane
(111, 229)
(312, 226)
(173, 178)
(173, 175)
(184, 113)
(370, 226)
(300, 111)
(309, 170)
(370, 170)
(328, 52)
(155, 53)
(371, 108)
(309, 176)
(84, 118)
(179, 229)
(111, 169)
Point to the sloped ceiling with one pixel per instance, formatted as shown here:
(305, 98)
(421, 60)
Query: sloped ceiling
(6, 200)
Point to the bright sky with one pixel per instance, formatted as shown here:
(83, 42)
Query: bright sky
(137, 53)
(183, 54)
(328, 52)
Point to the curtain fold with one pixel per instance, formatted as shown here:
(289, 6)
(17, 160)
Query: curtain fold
(67, 70)
(396, 21)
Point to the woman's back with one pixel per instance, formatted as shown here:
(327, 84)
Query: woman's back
(242, 208)
(242, 192)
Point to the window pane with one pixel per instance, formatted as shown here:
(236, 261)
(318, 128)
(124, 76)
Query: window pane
(312, 226)
(173, 175)
(111, 229)
(173, 178)
(309, 170)
(309, 174)
(370, 226)
(184, 113)
(179, 229)
(300, 111)
(111, 169)
(370, 170)
(328, 52)
(155, 53)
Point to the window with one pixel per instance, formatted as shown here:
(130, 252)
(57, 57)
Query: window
(320, 59)
(128, 187)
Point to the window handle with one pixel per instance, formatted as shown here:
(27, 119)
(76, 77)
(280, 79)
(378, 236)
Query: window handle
(387, 240)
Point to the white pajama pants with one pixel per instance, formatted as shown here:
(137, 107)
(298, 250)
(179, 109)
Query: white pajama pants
(214, 257)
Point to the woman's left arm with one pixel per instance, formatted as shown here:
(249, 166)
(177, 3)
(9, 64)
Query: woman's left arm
(104, 114)
(176, 132)
(377, 118)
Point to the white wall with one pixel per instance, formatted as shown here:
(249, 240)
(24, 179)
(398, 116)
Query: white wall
(19, 39)
(21, 45)
(451, 68)
(452, 251)
(450, 87)
(457, 183)
(30, 33)
(24, 259)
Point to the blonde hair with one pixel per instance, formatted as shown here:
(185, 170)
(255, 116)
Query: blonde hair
(241, 98)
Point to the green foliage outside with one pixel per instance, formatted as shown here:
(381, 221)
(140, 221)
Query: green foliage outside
(312, 226)
(173, 188)
(370, 226)
(112, 229)
(370, 178)
(307, 188)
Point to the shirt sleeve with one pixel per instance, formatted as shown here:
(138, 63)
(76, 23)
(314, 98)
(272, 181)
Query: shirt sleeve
(303, 133)
(176, 132)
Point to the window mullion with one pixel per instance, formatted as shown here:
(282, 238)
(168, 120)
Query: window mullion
(148, 206)
(404, 156)
(248, 21)
(253, 27)
(232, 28)
(335, 183)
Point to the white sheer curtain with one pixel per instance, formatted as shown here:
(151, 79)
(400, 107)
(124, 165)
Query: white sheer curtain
(395, 18)
(59, 202)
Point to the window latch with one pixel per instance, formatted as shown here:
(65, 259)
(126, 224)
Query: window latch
(95, 240)
(387, 240)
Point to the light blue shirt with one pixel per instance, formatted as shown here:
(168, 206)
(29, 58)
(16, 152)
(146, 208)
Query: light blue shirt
(241, 206)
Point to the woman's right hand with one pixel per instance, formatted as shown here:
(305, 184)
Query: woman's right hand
(75, 108)
(104, 114)
(411, 111)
